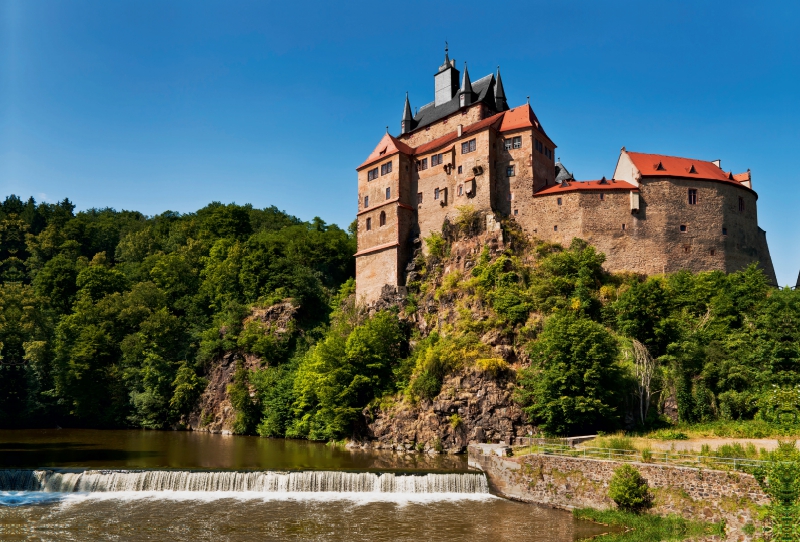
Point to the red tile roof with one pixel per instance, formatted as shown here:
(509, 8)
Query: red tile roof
(436, 143)
(659, 165)
(741, 177)
(521, 117)
(387, 146)
(582, 186)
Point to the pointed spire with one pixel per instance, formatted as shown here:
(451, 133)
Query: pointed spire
(405, 123)
(407, 109)
(499, 93)
(446, 57)
(466, 85)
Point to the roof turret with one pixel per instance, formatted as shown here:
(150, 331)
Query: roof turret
(407, 120)
(499, 93)
(466, 85)
(562, 174)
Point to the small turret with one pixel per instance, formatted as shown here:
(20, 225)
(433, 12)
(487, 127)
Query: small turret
(405, 124)
(465, 94)
(500, 94)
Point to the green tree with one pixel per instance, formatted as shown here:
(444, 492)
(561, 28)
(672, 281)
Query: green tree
(574, 384)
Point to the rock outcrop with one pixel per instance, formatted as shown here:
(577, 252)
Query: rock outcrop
(472, 406)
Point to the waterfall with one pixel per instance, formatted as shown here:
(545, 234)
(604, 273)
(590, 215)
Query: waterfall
(267, 482)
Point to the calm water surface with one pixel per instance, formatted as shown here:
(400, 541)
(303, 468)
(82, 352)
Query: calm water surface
(312, 514)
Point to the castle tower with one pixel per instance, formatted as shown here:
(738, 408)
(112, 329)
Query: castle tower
(445, 81)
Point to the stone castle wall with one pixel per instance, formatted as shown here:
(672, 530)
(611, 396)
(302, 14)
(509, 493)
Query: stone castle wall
(565, 482)
(651, 241)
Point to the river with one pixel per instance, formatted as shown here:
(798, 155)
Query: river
(76, 485)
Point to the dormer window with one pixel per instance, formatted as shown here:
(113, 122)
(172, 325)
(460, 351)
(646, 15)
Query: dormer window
(386, 168)
(372, 174)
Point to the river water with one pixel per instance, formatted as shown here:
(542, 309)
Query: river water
(76, 485)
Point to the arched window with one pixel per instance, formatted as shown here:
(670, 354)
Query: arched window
(383, 218)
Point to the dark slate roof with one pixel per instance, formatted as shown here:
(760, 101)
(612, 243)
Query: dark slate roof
(483, 89)
(562, 174)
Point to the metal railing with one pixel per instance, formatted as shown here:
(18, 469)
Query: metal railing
(670, 457)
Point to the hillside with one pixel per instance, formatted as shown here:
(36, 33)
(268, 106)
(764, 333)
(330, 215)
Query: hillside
(244, 320)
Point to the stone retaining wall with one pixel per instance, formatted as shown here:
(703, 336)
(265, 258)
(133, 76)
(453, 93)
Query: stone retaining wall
(566, 482)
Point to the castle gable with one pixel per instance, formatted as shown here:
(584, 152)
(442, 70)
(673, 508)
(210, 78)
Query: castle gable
(521, 117)
(387, 146)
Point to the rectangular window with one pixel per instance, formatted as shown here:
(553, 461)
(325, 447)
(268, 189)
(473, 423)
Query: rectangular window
(507, 144)
(555, 228)
(386, 168)
(684, 229)
(558, 201)
(692, 196)
(419, 197)
(459, 169)
(623, 227)
(741, 205)
(422, 164)
(712, 251)
(460, 190)
(518, 142)
(372, 174)
(602, 197)
(388, 193)
(515, 212)
(435, 193)
(366, 201)
(510, 171)
(468, 146)
(369, 224)
(724, 231)
(436, 160)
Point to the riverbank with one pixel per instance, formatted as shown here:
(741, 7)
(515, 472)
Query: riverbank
(575, 482)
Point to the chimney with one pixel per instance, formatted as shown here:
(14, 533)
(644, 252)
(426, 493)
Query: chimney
(460, 129)
(717, 163)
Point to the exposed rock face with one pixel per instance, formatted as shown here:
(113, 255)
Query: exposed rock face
(472, 406)
(214, 412)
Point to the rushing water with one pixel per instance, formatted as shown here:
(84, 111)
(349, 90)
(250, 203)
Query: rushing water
(134, 485)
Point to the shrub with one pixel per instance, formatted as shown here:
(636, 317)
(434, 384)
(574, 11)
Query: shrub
(455, 421)
(436, 245)
(629, 489)
(494, 366)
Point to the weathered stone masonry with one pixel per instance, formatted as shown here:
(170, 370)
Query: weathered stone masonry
(565, 482)
(467, 148)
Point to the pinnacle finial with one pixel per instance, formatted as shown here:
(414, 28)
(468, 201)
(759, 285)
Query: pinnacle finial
(387, 129)
(529, 100)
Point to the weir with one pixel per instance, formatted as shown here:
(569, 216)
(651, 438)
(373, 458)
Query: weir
(96, 481)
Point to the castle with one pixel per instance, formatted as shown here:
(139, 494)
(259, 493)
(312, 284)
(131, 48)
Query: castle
(657, 214)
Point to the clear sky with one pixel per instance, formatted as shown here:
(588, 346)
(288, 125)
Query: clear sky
(171, 105)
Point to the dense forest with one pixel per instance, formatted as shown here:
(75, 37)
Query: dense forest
(112, 318)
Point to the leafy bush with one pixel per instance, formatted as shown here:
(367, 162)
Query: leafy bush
(629, 489)
(436, 245)
(649, 527)
(493, 366)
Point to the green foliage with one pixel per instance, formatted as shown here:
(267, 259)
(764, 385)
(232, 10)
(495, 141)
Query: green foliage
(648, 528)
(436, 245)
(573, 384)
(110, 318)
(342, 373)
(629, 489)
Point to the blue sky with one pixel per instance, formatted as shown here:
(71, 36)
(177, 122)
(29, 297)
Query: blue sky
(170, 105)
